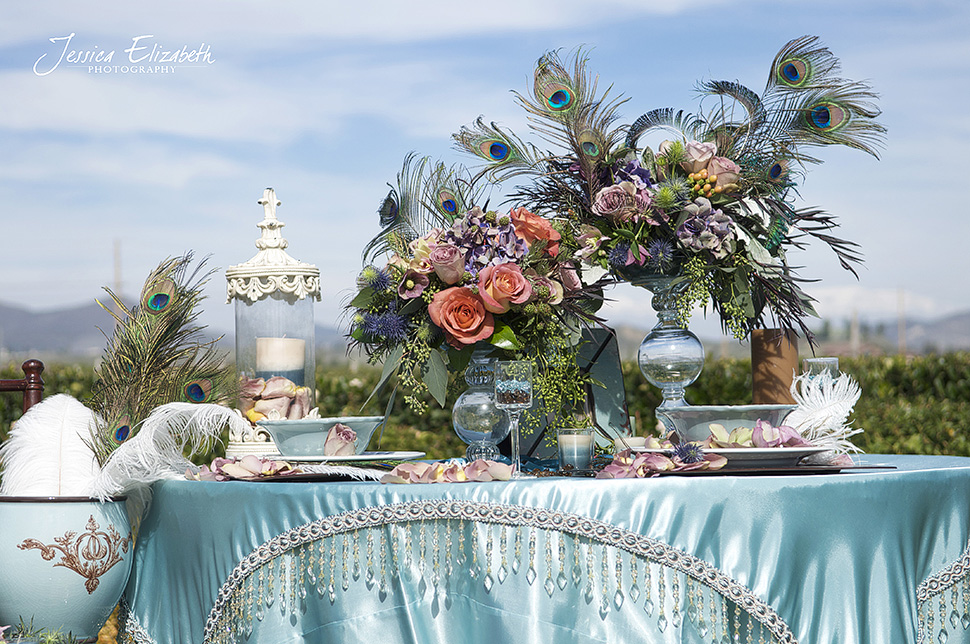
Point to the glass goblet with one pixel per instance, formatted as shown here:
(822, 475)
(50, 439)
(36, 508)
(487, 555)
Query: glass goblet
(513, 393)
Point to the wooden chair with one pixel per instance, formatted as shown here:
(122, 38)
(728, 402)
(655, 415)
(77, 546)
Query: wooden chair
(31, 384)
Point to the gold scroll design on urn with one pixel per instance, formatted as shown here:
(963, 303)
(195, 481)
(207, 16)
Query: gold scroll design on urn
(90, 554)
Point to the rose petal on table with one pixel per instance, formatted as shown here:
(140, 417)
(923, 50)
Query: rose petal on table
(715, 461)
(764, 435)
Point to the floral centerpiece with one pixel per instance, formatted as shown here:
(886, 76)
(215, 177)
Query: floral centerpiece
(458, 278)
(711, 211)
(713, 205)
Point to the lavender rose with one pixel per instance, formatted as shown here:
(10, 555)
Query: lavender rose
(340, 441)
(622, 202)
(448, 262)
(727, 171)
(697, 155)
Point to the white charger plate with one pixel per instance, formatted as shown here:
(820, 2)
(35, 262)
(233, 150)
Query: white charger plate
(366, 457)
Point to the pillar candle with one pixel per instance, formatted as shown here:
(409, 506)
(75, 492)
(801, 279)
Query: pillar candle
(281, 357)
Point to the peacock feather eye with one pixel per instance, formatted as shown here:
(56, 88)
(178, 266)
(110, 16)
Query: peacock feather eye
(159, 296)
(122, 431)
(778, 171)
(558, 98)
(198, 391)
(590, 148)
(793, 72)
(827, 116)
(495, 150)
(448, 202)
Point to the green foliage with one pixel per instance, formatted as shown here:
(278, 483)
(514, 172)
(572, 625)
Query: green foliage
(916, 405)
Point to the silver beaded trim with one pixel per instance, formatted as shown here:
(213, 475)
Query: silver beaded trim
(130, 631)
(937, 584)
(509, 515)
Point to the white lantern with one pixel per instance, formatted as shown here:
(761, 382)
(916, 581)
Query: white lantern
(273, 295)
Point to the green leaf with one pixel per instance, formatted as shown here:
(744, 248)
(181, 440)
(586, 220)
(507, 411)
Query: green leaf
(505, 338)
(459, 359)
(436, 376)
(364, 298)
(413, 306)
(391, 364)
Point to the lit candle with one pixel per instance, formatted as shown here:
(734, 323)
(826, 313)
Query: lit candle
(575, 450)
(280, 357)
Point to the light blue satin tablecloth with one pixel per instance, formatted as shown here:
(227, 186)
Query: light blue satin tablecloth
(839, 557)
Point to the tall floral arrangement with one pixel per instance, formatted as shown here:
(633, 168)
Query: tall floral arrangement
(714, 205)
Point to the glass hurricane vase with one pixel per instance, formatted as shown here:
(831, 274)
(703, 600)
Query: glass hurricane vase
(476, 419)
(671, 357)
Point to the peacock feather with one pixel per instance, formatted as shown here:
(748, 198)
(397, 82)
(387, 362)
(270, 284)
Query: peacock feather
(427, 195)
(566, 109)
(505, 155)
(155, 356)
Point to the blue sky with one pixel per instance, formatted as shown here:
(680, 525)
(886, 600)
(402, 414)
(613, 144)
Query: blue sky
(322, 101)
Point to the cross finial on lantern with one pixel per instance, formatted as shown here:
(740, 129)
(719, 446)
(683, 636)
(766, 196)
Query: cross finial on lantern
(269, 203)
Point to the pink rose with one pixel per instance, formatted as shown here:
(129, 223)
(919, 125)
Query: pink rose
(569, 277)
(448, 262)
(503, 285)
(727, 171)
(340, 441)
(697, 155)
(461, 314)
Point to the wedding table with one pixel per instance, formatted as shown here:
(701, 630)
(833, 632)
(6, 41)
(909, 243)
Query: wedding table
(873, 555)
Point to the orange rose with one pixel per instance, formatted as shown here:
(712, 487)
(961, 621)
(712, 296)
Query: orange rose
(461, 315)
(502, 286)
(531, 227)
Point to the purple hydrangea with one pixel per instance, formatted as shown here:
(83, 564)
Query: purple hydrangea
(485, 243)
(632, 172)
(707, 229)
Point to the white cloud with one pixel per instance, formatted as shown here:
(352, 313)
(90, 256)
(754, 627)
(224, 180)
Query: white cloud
(273, 23)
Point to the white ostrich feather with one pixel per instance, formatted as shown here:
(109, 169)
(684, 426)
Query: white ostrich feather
(156, 451)
(46, 453)
(824, 405)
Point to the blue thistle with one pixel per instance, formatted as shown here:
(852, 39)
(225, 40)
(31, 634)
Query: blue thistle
(392, 327)
(618, 255)
(689, 453)
(660, 254)
(378, 279)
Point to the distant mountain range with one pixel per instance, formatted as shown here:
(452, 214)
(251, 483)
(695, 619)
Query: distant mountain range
(73, 333)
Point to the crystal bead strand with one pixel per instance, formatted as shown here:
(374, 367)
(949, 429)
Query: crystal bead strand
(549, 585)
(618, 595)
(503, 548)
(487, 580)
(530, 573)
(604, 582)
(370, 576)
(561, 577)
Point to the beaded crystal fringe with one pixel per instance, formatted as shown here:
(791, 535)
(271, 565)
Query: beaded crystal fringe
(938, 620)
(437, 545)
